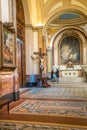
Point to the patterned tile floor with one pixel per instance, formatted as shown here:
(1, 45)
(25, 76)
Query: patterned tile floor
(64, 108)
(66, 88)
(69, 81)
(75, 92)
(7, 125)
(47, 102)
(57, 93)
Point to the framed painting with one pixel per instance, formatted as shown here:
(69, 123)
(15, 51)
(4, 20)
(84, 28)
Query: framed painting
(70, 50)
(8, 49)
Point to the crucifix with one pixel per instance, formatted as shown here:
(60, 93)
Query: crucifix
(41, 56)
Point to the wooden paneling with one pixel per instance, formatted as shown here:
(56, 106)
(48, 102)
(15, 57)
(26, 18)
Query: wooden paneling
(19, 60)
(21, 64)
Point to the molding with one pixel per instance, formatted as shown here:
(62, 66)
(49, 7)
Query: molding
(30, 26)
(9, 26)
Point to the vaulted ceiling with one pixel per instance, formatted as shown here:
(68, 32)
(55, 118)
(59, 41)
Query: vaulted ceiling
(53, 14)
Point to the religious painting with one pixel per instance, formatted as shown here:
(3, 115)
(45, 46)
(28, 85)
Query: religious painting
(70, 50)
(8, 48)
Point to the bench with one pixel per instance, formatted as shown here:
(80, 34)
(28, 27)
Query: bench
(4, 102)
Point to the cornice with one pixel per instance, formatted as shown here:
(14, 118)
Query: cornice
(30, 26)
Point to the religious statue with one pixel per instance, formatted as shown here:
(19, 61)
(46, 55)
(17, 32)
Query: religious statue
(70, 64)
(40, 57)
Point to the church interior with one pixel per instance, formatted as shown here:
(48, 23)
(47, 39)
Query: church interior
(43, 65)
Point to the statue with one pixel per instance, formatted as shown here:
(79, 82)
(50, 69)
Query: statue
(40, 56)
(70, 64)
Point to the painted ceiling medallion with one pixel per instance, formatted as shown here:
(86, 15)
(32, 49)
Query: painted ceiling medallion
(68, 16)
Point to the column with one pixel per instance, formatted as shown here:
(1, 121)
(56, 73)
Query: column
(44, 51)
(40, 45)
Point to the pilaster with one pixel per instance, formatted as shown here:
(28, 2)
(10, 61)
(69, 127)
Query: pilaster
(44, 51)
(40, 43)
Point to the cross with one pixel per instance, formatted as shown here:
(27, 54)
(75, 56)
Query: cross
(41, 55)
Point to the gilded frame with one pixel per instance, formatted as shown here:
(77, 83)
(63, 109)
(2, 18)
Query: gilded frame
(8, 45)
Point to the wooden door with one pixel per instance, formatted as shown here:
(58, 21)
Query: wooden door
(19, 60)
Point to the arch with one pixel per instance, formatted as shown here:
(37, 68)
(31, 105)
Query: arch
(62, 5)
(26, 11)
(61, 11)
(70, 31)
(62, 30)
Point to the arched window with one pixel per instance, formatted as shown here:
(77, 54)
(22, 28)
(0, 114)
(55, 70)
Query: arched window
(70, 50)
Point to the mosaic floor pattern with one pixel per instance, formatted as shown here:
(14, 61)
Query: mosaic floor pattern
(28, 126)
(57, 93)
(63, 108)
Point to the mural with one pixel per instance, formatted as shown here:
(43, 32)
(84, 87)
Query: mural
(70, 50)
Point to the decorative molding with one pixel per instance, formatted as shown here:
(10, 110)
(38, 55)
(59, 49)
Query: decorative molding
(9, 26)
(33, 28)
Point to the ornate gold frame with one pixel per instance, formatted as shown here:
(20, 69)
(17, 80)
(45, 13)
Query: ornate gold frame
(7, 47)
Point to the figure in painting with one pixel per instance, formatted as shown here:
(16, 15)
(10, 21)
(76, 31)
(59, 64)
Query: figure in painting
(70, 49)
(8, 48)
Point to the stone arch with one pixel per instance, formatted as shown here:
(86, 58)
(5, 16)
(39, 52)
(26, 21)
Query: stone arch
(74, 31)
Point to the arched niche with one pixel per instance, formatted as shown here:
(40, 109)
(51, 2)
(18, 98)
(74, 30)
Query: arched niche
(76, 34)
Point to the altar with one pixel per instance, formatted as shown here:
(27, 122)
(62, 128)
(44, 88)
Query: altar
(70, 72)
